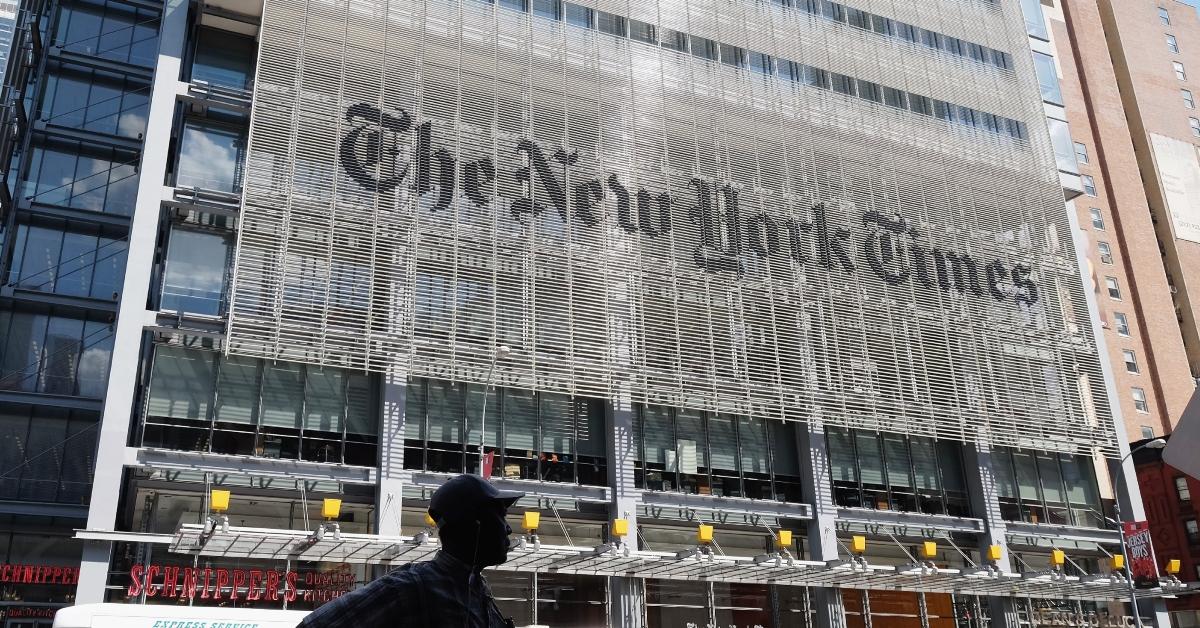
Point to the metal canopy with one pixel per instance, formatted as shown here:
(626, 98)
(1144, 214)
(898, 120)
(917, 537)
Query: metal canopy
(296, 545)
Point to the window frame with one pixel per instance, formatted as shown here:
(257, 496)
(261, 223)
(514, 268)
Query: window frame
(1081, 153)
(1129, 356)
(1189, 99)
(1121, 323)
(1182, 490)
(1140, 403)
(1172, 43)
(1105, 250)
(1097, 216)
(1180, 70)
(1089, 185)
(1113, 286)
(1164, 16)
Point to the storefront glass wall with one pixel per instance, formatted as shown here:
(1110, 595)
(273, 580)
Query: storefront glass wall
(1046, 487)
(716, 454)
(203, 401)
(888, 471)
(536, 436)
(563, 600)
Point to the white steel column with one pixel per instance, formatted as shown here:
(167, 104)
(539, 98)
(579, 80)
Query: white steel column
(627, 595)
(822, 533)
(132, 315)
(392, 398)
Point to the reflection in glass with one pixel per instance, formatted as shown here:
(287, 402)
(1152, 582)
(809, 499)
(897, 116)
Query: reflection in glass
(194, 278)
(210, 157)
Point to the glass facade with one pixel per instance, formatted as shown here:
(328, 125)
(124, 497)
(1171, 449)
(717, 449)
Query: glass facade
(200, 401)
(1045, 487)
(223, 59)
(55, 355)
(48, 454)
(195, 275)
(888, 471)
(72, 263)
(716, 454)
(211, 156)
(535, 436)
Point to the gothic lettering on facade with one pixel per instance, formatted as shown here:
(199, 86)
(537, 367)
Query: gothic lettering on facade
(374, 153)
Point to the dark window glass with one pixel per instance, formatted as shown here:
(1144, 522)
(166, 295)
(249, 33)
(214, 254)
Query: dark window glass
(576, 15)
(642, 31)
(517, 5)
(920, 104)
(194, 277)
(54, 354)
(952, 45)
(869, 91)
(883, 25)
(733, 56)
(211, 156)
(64, 262)
(704, 48)
(551, 9)
(1002, 59)
(842, 84)
(223, 58)
(761, 63)
(816, 77)
(858, 18)
(908, 32)
(674, 40)
(931, 38)
(833, 10)
(97, 180)
(943, 110)
(95, 101)
(610, 23)
(109, 30)
(894, 97)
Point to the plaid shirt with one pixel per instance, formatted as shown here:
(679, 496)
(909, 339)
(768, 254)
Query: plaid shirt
(433, 593)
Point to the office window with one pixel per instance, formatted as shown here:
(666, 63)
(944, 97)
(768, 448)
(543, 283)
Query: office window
(95, 100)
(1147, 431)
(96, 180)
(715, 454)
(1195, 124)
(610, 23)
(1047, 75)
(49, 454)
(1060, 139)
(211, 156)
(1097, 218)
(1139, 400)
(579, 16)
(1172, 44)
(1180, 72)
(1193, 530)
(54, 355)
(67, 262)
(194, 279)
(1089, 184)
(886, 471)
(869, 91)
(702, 47)
(733, 56)
(550, 9)
(1106, 256)
(1122, 322)
(761, 63)
(1114, 288)
(1081, 153)
(642, 31)
(843, 84)
(517, 5)
(1164, 17)
(224, 58)
(1130, 358)
(203, 401)
(894, 97)
(1181, 488)
(111, 30)
(1044, 487)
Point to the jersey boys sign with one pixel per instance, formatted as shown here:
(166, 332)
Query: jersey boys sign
(888, 246)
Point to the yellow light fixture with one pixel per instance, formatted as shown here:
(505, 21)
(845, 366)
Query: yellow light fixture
(1058, 558)
(1173, 566)
(1118, 562)
(995, 553)
(784, 540)
(858, 544)
(218, 500)
(620, 527)
(929, 550)
(331, 509)
(704, 533)
(429, 522)
(530, 520)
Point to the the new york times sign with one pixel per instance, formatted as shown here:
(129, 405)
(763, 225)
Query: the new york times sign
(887, 246)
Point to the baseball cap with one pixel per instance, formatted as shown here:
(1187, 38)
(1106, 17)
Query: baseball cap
(461, 498)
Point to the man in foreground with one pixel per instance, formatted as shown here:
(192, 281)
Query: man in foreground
(449, 590)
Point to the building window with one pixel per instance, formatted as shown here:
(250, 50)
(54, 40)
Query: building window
(1060, 139)
(1147, 431)
(1195, 124)
(97, 180)
(1114, 288)
(1139, 400)
(1105, 252)
(54, 355)
(1089, 184)
(549, 9)
(887, 471)
(716, 454)
(110, 30)
(194, 279)
(1172, 44)
(203, 401)
(211, 156)
(49, 455)
(1180, 73)
(534, 435)
(1081, 153)
(1189, 101)
(66, 262)
(95, 100)
(1122, 323)
(1047, 75)
(610, 23)
(1164, 17)
(224, 59)
(576, 15)
(1097, 218)
(1193, 531)
(1045, 487)
(1130, 358)
(1181, 488)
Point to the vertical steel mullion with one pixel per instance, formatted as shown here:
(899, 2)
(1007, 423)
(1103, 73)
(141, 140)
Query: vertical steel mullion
(211, 413)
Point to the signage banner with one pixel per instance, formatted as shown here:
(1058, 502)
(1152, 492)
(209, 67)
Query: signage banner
(248, 585)
(38, 574)
(1141, 554)
(1179, 171)
(623, 216)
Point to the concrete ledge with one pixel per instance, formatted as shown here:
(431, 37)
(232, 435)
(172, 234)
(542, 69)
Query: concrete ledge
(154, 458)
(731, 505)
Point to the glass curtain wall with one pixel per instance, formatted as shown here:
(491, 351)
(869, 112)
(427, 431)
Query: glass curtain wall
(195, 276)
(888, 471)
(1047, 487)
(535, 435)
(55, 355)
(84, 263)
(201, 401)
(716, 454)
(55, 449)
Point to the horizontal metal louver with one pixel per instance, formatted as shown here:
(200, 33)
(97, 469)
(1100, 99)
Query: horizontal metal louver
(426, 180)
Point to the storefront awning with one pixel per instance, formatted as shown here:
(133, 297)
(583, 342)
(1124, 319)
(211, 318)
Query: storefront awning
(295, 545)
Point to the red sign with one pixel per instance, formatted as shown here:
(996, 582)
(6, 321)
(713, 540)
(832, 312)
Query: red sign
(186, 583)
(38, 574)
(488, 459)
(28, 612)
(1141, 554)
